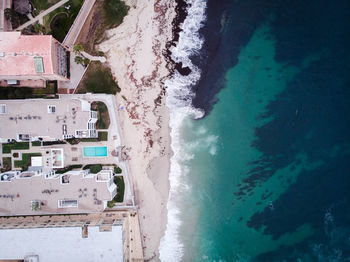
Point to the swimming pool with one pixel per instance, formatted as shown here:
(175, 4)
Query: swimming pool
(95, 151)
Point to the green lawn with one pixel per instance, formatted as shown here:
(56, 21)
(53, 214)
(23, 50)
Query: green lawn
(58, 22)
(26, 160)
(40, 5)
(119, 197)
(6, 148)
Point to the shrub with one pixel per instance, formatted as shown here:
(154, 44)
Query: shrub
(117, 170)
(79, 60)
(6, 164)
(93, 168)
(49, 143)
(86, 61)
(103, 121)
(119, 197)
(115, 11)
(68, 168)
(36, 143)
(103, 136)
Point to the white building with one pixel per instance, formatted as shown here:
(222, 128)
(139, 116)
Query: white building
(36, 192)
(46, 119)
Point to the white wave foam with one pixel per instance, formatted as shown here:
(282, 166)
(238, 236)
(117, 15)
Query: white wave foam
(179, 101)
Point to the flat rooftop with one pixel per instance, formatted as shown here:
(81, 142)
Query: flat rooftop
(25, 54)
(31, 194)
(43, 117)
(62, 244)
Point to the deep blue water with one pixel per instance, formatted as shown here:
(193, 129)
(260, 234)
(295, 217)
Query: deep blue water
(270, 176)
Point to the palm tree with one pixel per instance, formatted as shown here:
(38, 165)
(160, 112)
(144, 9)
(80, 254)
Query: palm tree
(78, 48)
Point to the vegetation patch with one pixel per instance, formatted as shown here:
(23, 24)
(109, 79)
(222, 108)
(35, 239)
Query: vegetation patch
(103, 136)
(6, 148)
(68, 168)
(25, 162)
(98, 79)
(6, 164)
(59, 21)
(119, 197)
(103, 121)
(104, 15)
(117, 170)
(40, 5)
(49, 143)
(36, 143)
(60, 25)
(93, 168)
(15, 18)
(9, 92)
(114, 12)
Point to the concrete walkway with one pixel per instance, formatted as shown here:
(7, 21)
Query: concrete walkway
(4, 24)
(102, 59)
(41, 15)
(79, 21)
(76, 73)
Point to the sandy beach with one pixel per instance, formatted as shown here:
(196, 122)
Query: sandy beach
(134, 52)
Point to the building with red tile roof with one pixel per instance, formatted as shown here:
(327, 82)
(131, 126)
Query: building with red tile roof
(32, 57)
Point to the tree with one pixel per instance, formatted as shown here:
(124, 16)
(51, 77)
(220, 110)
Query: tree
(78, 48)
(79, 60)
(38, 28)
(8, 14)
(86, 61)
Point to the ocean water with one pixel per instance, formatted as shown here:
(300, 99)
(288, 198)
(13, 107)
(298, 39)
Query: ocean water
(260, 133)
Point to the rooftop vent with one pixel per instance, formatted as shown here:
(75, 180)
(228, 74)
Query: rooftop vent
(3, 109)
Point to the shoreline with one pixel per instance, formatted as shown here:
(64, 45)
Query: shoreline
(136, 55)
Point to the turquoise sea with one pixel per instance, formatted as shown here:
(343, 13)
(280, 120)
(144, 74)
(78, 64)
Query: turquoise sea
(261, 133)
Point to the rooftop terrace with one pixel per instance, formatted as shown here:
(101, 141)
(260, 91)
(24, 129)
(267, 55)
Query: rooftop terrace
(47, 118)
(34, 193)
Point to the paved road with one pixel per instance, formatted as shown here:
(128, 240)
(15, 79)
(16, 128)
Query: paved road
(79, 21)
(41, 15)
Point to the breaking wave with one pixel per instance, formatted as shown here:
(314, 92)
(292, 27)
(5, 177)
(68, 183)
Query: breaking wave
(179, 101)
